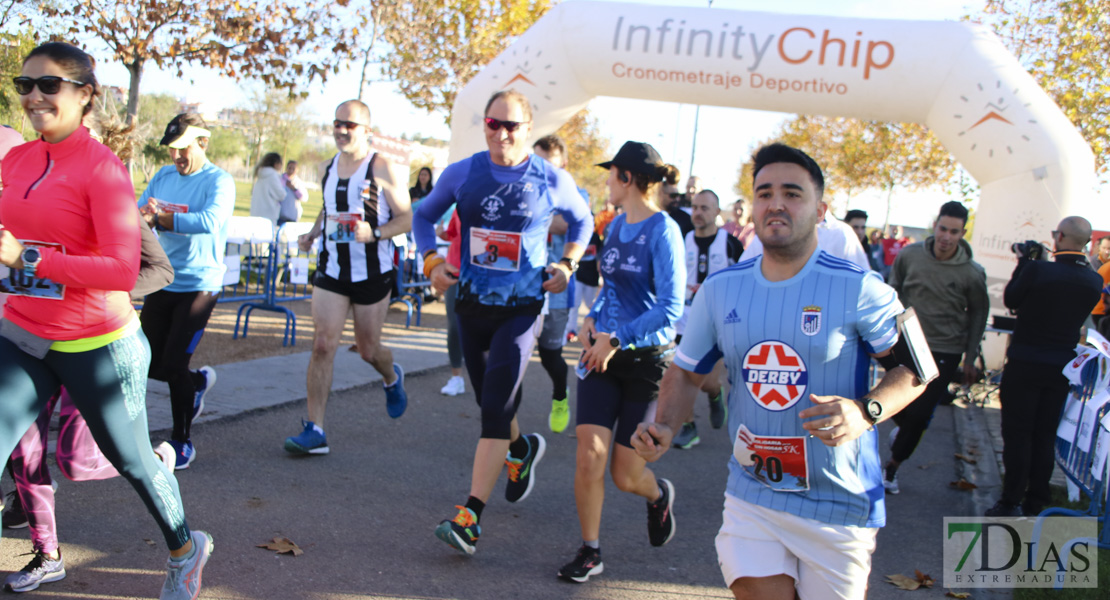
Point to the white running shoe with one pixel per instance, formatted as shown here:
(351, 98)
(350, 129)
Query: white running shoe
(183, 578)
(891, 485)
(455, 386)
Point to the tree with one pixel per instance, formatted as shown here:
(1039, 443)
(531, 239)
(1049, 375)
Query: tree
(158, 111)
(283, 44)
(13, 47)
(857, 155)
(439, 45)
(1062, 43)
(274, 122)
(586, 147)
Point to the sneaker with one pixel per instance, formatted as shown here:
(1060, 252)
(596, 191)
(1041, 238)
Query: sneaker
(395, 398)
(183, 578)
(891, 485)
(209, 380)
(572, 336)
(560, 414)
(661, 526)
(455, 386)
(462, 532)
(184, 452)
(892, 436)
(586, 563)
(522, 471)
(312, 440)
(718, 410)
(42, 569)
(1004, 509)
(687, 437)
(14, 517)
(167, 455)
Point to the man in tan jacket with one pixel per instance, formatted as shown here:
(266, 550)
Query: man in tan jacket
(939, 280)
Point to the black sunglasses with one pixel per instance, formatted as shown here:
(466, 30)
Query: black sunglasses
(496, 124)
(346, 124)
(48, 85)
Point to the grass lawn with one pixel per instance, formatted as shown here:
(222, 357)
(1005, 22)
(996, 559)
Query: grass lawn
(312, 206)
(1060, 498)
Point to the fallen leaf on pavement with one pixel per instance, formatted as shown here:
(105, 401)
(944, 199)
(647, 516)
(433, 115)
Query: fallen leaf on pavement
(150, 542)
(282, 545)
(966, 459)
(957, 595)
(923, 579)
(902, 582)
(962, 484)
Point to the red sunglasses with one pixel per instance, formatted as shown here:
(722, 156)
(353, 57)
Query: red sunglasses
(509, 126)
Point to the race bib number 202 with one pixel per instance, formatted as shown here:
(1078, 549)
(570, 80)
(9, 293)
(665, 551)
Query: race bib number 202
(18, 283)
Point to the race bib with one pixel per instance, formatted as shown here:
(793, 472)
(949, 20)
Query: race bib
(18, 283)
(170, 207)
(341, 227)
(498, 250)
(778, 462)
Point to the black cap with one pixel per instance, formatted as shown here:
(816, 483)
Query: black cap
(183, 129)
(637, 157)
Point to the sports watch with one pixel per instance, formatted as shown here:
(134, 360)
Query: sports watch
(614, 342)
(872, 409)
(377, 234)
(31, 258)
(570, 263)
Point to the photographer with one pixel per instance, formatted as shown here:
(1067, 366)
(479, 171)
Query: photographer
(1052, 299)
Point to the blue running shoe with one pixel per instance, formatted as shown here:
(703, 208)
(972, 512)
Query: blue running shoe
(183, 578)
(209, 375)
(184, 454)
(395, 398)
(312, 440)
(461, 532)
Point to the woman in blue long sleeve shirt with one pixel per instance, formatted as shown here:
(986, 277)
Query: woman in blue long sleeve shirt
(629, 341)
(505, 198)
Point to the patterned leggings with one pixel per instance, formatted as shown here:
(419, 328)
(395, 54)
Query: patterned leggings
(108, 386)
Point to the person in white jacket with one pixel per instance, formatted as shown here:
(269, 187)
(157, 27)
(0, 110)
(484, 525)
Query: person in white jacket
(268, 192)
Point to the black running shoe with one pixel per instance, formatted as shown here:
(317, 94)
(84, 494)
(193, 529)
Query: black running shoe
(522, 471)
(586, 563)
(1004, 509)
(661, 525)
(14, 517)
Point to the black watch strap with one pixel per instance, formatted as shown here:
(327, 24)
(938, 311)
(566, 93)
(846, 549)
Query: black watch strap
(570, 263)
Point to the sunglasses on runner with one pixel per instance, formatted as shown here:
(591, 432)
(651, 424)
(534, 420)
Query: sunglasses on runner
(496, 124)
(346, 124)
(48, 85)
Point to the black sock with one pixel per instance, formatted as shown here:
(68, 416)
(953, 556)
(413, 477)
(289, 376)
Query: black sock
(891, 471)
(556, 367)
(519, 448)
(476, 506)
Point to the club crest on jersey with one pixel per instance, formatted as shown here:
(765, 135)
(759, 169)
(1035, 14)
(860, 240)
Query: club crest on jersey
(642, 239)
(811, 320)
(609, 260)
(364, 191)
(775, 375)
(491, 207)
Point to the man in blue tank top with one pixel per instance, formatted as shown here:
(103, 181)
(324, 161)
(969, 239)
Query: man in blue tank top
(796, 328)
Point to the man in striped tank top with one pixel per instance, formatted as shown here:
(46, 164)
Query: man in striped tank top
(365, 206)
(796, 328)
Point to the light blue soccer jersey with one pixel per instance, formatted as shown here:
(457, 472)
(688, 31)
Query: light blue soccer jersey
(782, 341)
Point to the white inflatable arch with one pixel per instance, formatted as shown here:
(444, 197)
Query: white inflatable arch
(957, 78)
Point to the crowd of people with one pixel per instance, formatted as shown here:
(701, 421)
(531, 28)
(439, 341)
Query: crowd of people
(788, 301)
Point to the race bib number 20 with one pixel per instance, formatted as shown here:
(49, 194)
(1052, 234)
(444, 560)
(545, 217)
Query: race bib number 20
(18, 283)
(778, 462)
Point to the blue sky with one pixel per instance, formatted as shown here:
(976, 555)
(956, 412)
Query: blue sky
(725, 135)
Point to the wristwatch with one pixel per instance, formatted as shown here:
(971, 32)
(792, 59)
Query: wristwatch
(377, 234)
(872, 409)
(31, 258)
(614, 342)
(570, 263)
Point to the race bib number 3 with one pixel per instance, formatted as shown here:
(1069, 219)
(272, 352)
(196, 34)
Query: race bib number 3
(498, 250)
(341, 227)
(778, 462)
(18, 283)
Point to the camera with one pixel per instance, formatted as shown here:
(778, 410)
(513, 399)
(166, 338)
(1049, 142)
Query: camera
(1030, 249)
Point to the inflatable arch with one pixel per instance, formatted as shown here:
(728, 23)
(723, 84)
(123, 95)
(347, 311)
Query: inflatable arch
(956, 78)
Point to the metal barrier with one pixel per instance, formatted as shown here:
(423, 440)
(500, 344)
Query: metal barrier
(247, 257)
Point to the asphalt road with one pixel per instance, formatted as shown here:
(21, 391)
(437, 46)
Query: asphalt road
(364, 514)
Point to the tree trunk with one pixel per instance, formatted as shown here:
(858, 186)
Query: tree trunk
(135, 69)
(889, 197)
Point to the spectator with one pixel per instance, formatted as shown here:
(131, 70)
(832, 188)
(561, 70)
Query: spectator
(268, 192)
(1102, 253)
(670, 200)
(891, 247)
(857, 219)
(1052, 299)
(292, 206)
(423, 186)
